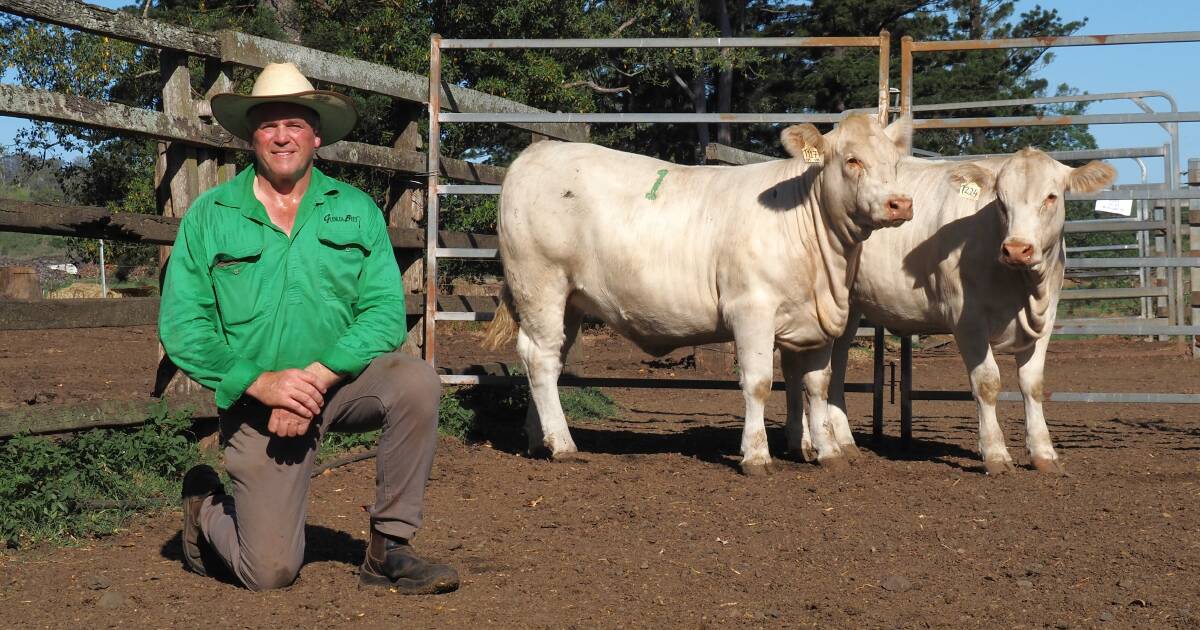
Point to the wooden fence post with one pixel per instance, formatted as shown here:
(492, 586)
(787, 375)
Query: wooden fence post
(177, 181)
(405, 207)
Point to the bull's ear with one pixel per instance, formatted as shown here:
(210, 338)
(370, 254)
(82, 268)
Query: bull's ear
(799, 137)
(900, 133)
(968, 172)
(1091, 177)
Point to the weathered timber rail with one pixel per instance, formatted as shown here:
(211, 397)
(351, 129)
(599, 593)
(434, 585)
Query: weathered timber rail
(232, 47)
(63, 108)
(33, 217)
(143, 311)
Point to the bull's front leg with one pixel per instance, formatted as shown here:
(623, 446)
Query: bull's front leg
(755, 339)
(1030, 365)
(985, 387)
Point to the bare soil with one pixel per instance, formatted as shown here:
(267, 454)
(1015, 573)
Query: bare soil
(654, 527)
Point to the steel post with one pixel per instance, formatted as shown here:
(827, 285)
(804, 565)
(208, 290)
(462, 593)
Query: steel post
(885, 44)
(1193, 180)
(434, 201)
(877, 392)
(905, 389)
(906, 78)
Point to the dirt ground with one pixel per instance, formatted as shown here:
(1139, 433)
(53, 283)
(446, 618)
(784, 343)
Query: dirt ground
(656, 528)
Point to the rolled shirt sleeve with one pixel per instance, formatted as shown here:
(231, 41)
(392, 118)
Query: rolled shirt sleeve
(188, 322)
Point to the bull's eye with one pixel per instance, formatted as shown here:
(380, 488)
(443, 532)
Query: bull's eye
(1051, 199)
(854, 163)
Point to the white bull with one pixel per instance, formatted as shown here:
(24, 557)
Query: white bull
(988, 269)
(671, 255)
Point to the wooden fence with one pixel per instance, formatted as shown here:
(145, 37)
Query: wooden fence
(195, 153)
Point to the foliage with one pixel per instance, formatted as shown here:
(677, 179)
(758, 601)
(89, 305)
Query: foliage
(89, 484)
(396, 34)
(463, 409)
(454, 419)
(336, 442)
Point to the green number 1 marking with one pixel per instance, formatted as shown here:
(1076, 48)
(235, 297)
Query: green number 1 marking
(653, 194)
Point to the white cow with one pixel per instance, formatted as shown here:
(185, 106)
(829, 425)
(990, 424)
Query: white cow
(989, 270)
(671, 256)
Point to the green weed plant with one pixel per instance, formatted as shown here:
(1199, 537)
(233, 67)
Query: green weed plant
(61, 489)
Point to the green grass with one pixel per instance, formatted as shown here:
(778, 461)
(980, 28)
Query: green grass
(463, 409)
(32, 246)
(58, 490)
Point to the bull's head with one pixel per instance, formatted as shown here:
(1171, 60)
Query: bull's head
(859, 178)
(1031, 187)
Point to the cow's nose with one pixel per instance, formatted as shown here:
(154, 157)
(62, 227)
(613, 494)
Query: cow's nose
(1017, 252)
(899, 208)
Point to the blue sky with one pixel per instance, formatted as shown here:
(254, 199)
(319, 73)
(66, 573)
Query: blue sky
(1093, 69)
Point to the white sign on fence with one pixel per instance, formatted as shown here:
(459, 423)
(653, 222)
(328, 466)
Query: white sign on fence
(1123, 207)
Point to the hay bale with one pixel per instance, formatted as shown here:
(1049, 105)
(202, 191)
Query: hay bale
(81, 290)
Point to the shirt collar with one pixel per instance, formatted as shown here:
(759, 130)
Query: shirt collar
(239, 193)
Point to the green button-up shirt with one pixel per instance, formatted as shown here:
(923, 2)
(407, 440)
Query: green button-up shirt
(241, 297)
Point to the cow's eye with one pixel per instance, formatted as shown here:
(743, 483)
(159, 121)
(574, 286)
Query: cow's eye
(854, 162)
(1051, 199)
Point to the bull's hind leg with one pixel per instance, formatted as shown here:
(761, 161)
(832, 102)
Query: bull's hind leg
(1030, 365)
(814, 365)
(839, 419)
(985, 386)
(799, 438)
(540, 344)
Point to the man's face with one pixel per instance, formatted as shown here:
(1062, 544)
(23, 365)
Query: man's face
(285, 139)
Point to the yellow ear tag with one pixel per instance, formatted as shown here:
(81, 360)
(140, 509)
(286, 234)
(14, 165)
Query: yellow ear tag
(811, 155)
(969, 190)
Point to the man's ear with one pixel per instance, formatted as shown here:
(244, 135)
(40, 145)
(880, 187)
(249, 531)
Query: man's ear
(799, 137)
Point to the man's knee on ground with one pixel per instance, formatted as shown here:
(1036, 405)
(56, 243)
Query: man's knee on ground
(272, 575)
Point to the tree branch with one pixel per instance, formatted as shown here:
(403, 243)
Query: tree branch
(598, 88)
(624, 25)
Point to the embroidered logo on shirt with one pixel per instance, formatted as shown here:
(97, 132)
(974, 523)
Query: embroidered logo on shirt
(349, 218)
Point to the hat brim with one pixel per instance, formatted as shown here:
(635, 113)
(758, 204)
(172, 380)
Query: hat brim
(336, 111)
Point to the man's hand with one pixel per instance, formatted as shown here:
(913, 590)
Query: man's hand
(296, 391)
(287, 424)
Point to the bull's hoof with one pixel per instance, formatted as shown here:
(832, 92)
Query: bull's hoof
(538, 452)
(758, 470)
(1049, 466)
(836, 463)
(850, 451)
(998, 467)
(808, 453)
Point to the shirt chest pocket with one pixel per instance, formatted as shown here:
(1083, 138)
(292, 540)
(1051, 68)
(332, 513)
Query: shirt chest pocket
(343, 248)
(237, 279)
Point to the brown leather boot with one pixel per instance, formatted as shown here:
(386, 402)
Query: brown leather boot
(394, 564)
(199, 483)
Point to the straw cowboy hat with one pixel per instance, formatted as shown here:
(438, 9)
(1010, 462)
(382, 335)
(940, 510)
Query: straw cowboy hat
(283, 83)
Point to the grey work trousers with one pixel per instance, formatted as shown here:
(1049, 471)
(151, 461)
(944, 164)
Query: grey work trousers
(258, 530)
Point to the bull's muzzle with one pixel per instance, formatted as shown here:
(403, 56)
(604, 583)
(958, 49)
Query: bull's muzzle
(899, 208)
(1017, 253)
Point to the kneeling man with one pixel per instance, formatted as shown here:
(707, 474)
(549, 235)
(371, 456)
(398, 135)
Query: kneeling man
(283, 295)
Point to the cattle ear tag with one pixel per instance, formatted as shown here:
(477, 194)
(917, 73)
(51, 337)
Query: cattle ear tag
(969, 190)
(811, 155)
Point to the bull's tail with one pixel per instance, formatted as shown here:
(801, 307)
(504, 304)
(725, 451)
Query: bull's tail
(504, 324)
